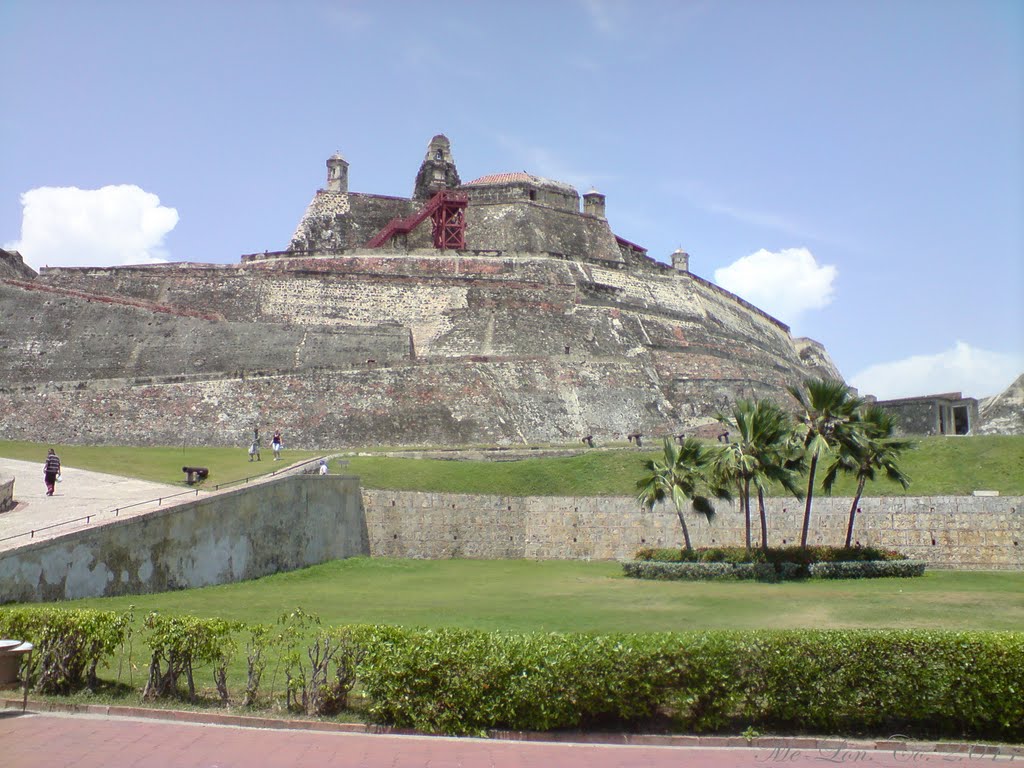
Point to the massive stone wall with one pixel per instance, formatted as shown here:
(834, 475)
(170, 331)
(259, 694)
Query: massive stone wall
(51, 337)
(336, 220)
(254, 531)
(394, 348)
(948, 532)
(537, 228)
(460, 402)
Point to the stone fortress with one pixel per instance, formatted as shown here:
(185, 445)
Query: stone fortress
(500, 311)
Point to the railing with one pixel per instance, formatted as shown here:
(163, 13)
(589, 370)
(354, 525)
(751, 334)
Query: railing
(159, 500)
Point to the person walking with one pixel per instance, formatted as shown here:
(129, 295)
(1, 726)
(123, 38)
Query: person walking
(275, 444)
(254, 446)
(51, 471)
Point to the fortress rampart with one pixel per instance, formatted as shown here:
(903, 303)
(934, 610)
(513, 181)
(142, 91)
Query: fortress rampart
(543, 327)
(962, 532)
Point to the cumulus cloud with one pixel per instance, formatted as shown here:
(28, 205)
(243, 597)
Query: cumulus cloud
(67, 226)
(963, 368)
(785, 283)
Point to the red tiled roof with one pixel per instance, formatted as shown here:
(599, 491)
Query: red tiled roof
(503, 178)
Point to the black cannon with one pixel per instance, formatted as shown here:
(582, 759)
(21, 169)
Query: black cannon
(194, 475)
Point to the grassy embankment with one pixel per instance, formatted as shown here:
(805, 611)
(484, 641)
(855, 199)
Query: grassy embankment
(157, 464)
(938, 467)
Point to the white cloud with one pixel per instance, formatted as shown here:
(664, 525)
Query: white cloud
(785, 284)
(975, 372)
(67, 226)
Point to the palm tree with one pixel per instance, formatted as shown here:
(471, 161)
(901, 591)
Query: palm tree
(876, 450)
(827, 411)
(759, 454)
(682, 475)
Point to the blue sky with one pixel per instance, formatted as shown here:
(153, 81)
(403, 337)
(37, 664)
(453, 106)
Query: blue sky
(856, 168)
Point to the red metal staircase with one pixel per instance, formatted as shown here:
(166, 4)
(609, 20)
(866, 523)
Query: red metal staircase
(447, 209)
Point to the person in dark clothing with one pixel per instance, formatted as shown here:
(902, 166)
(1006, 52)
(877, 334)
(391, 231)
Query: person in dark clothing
(51, 471)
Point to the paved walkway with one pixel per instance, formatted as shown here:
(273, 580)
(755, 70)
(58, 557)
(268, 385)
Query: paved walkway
(89, 741)
(80, 494)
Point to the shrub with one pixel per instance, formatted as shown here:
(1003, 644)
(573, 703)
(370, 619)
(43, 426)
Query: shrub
(940, 684)
(868, 569)
(69, 645)
(793, 554)
(704, 571)
(179, 643)
(320, 663)
(774, 564)
(465, 682)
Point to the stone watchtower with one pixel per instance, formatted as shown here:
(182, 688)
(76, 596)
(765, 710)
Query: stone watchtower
(437, 171)
(593, 203)
(337, 174)
(681, 260)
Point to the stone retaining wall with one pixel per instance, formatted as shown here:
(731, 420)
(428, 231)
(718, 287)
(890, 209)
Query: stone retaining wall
(253, 531)
(946, 532)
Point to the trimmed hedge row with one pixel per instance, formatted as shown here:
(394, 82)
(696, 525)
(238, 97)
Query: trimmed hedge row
(795, 554)
(925, 683)
(870, 569)
(952, 684)
(771, 572)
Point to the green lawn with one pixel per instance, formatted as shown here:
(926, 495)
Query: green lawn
(570, 596)
(157, 464)
(939, 466)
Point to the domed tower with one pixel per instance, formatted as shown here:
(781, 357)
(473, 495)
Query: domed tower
(337, 173)
(437, 171)
(594, 203)
(681, 260)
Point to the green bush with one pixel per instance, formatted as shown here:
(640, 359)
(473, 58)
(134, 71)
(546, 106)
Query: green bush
(465, 682)
(70, 645)
(320, 663)
(705, 571)
(870, 569)
(935, 684)
(178, 644)
(771, 572)
(793, 554)
(940, 684)
(921, 683)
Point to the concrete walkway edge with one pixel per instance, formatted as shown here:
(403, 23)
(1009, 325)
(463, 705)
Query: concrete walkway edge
(823, 745)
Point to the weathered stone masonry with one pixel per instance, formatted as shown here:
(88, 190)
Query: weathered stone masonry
(300, 521)
(289, 523)
(948, 532)
(545, 328)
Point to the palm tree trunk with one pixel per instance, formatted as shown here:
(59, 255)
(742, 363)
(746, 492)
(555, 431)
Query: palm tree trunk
(807, 506)
(853, 509)
(764, 519)
(686, 533)
(745, 501)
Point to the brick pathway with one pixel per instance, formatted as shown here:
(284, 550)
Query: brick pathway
(90, 741)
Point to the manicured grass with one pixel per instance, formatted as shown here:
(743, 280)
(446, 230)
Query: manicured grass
(157, 464)
(939, 466)
(570, 596)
